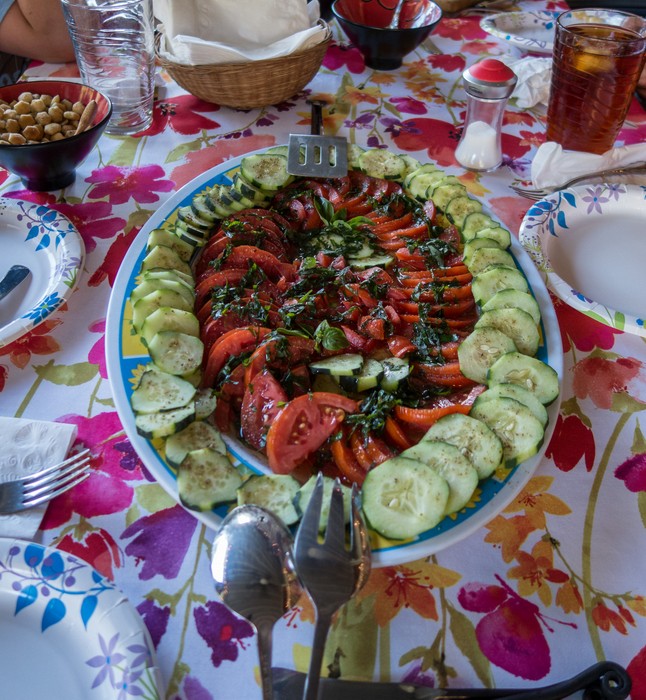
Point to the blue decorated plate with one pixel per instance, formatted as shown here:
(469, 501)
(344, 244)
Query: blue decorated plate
(66, 631)
(530, 31)
(589, 243)
(47, 243)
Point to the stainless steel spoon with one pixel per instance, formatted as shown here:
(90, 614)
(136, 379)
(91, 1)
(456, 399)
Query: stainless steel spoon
(12, 279)
(253, 569)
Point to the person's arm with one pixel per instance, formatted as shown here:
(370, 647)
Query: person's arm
(36, 29)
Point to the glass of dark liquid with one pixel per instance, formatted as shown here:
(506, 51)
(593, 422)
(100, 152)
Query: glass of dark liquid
(598, 57)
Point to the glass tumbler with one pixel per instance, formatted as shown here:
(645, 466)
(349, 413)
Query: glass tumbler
(598, 57)
(115, 51)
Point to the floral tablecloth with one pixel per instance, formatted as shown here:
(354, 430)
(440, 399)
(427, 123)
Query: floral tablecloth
(554, 583)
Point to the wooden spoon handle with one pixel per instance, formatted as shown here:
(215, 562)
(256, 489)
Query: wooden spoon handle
(86, 117)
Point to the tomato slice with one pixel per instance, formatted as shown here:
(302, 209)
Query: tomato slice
(263, 400)
(345, 460)
(303, 425)
(229, 345)
(279, 354)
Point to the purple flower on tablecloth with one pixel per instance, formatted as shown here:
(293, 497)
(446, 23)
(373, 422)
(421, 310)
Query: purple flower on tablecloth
(156, 619)
(161, 541)
(393, 126)
(409, 105)
(194, 690)
(633, 473)
(222, 631)
(594, 197)
(119, 184)
(363, 121)
(417, 676)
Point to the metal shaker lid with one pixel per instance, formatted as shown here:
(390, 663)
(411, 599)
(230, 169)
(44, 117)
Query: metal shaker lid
(489, 79)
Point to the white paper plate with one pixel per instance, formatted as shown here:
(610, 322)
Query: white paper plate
(126, 358)
(530, 31)
(48, 244)
(589, 242)
(60, 620)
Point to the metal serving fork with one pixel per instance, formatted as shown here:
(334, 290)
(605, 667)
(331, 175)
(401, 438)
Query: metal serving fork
(537, 194)
(328, 571)
(38, 488)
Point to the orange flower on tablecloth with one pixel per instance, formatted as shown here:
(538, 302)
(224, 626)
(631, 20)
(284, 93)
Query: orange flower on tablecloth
(536, 502)
(607, 619)
(568, 598)
(536, 571)
(409, 586)
(509, 534)
(355, 95)
(600, 378)
(36, 342)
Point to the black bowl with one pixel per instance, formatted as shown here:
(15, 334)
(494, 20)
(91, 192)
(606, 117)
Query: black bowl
(366, 24)
(52, 165)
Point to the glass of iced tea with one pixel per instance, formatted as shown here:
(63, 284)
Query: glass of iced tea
(598, 57)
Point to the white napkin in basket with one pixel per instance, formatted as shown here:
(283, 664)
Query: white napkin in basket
(552, 165)
(198, 32)
(28, 445)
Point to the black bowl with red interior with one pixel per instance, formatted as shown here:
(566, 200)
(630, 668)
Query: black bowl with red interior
(367, 24)
(50, 164)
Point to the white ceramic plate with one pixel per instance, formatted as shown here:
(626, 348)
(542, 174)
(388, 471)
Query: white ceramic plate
(60, 620)
(530, 31)
(126, 358)
(47, 243)
(589, 242)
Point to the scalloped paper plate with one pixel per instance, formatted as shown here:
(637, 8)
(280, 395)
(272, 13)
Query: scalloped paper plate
(530, 31)
(66, 629)
(47, 243)
(590, 243)
(126, 358)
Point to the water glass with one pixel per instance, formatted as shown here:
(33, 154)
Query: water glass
(598, 57)
(114, 47)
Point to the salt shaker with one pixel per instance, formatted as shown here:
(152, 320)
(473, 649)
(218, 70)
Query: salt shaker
(488, 85)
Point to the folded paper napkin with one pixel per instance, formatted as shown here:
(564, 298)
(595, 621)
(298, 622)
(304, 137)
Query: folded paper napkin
(28, 445)
(534, 75)
(552, 165)
(199, 32)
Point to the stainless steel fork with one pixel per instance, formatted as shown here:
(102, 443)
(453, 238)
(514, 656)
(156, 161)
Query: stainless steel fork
(538, 194)
(42, 486)
(330, 573)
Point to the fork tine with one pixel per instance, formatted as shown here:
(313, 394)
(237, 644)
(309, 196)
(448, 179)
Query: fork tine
(60, 488)
(56, 481)
(35, 478)
(69, 466)
(536, 195)
(309, 527)
(335, 530)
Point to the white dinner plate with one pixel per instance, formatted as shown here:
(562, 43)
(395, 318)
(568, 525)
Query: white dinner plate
(590, 243)
(530, 31)
(66, 631)
(47, 243)
(126, 357)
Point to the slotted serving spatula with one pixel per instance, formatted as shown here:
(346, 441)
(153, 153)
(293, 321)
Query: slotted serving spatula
(316, 155)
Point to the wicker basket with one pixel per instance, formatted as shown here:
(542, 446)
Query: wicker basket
(253, 83)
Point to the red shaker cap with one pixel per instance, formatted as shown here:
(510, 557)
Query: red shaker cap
(490, 70)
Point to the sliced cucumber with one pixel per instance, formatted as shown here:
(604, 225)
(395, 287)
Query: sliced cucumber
(530, 372)
(496, 233)
(515, 323)
(472, 246)
(194, 222)
(443, 194)
(205, 479)
(176, 353)
(205, 403)
(369, 377)
(493, 279)
(412, 164)
(396, 370)
(147, 286)
(383, 164)
(165, 258)
(166, 318)
(481, 259)
(445, 180)
(480, 349)
(202, 213)
(520, 432)
(275, 492)
(174, 275)
(452, 465)
(195, 436)
(164, 423)
(515, 391)
(475, 222)
(354, 153)
(403, 497)
(460, 207)
(514, 299)
(146, 305)
(267, 171)
(382, 260)
(344, 365)
(281, 150)
(217, 204)
(249, 190)
(305, 494)
(227, 199)
(162, 236)
(475, 440)
(419, 182)
(159, 391)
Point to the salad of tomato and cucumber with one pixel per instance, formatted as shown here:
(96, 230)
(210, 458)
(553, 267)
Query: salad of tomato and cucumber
(373, 327)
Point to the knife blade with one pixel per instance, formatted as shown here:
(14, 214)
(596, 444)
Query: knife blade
(12, 279)
(608, 680)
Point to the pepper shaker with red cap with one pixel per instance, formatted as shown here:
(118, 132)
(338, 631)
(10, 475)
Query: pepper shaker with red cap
(488, 85)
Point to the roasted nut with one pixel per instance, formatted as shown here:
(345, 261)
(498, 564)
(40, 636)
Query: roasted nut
(17, 139)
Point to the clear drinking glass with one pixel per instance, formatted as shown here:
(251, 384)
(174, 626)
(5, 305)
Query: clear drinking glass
(598, 57)
(114, 47)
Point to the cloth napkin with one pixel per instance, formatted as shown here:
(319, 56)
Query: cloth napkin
(534, 76)
(552, 165)
(198, 32)
(28, 445)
